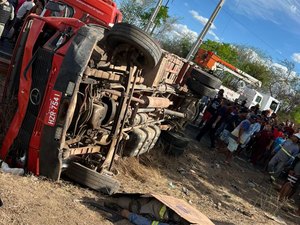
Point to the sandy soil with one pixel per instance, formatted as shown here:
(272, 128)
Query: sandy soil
(236, 194)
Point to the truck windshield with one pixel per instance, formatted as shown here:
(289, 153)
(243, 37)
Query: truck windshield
(58, 9)
(273, 105)
(258, 99)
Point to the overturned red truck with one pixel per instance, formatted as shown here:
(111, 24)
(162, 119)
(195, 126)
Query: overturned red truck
(89, 87)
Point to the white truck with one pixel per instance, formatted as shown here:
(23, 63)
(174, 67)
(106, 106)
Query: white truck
(245, 84)
(270, 103)
(254, 97)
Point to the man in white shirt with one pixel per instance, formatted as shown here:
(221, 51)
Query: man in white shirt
(25, 8)
(21, 15)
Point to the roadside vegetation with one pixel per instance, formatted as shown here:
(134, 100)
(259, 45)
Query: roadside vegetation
(278, 78)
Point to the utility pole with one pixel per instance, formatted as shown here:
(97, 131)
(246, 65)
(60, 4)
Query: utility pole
(204, 31)
(166, 5)
(153, 16)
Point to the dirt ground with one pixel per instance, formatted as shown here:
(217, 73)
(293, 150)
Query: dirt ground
(2, 79)
(228, 195)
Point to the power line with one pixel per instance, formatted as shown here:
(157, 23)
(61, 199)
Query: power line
(252, 32)
(226, 25)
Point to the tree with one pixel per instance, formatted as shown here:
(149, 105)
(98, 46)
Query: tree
(257, 70)
(160, 19)
(178, 45)
(133, 10)
(285, 85)
(139, 12)
(167, 28)
(254, 63)
(280, 81)
(296, 114)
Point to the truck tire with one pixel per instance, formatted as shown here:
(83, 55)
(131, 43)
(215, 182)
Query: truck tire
(126, 33)
(176, 139)
(199, 89)
(92, 179)
(206, 78)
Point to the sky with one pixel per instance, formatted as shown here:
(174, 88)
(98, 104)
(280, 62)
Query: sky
(273, 26)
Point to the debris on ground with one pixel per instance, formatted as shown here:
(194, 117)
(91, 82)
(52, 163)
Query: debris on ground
(6, 169)
(185, 191)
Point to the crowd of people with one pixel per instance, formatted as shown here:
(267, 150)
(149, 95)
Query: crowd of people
(236, 130)
(13, 14)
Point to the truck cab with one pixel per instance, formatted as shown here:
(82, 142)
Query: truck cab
(270, 103)
(104, 12)
(252, 96)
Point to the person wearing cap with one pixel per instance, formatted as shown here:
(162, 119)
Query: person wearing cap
(287, 153)
(254, 128)
(213, 124)
(212, 108)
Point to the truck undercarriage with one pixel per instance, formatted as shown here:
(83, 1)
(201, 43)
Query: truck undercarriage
(82, 98)
(80, 92)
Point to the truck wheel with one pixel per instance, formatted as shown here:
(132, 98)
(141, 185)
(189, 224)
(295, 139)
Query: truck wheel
(126, 33)
(206, 78)
(199, 89)
(92, 179)
(177, 139)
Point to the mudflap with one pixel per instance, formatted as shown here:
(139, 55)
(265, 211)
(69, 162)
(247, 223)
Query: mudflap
(73, 66)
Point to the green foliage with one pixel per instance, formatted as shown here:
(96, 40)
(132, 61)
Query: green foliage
(242, 58)
(139, 13)
(252, 61)
(257, 70)
(225, 51)
(133, 10)
(296, 115)
(161, 18)
(177, 45)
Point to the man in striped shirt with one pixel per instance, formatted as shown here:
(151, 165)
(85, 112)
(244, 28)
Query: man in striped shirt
(290, 186)
(287, 153)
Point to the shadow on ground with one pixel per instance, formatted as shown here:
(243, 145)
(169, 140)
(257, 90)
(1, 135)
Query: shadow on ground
(217, 222)
(110, 215)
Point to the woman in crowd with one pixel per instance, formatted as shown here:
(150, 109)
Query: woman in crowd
(262, 144)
